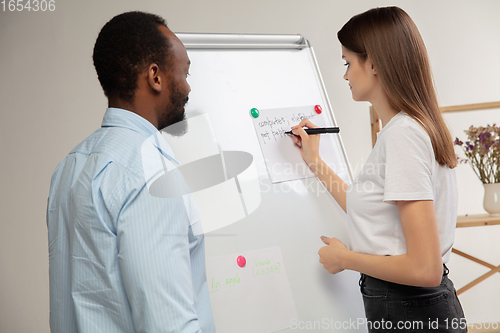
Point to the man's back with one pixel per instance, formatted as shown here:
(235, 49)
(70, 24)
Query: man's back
(121, 259)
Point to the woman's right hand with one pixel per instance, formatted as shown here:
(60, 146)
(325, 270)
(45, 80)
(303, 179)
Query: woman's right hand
(309, 144)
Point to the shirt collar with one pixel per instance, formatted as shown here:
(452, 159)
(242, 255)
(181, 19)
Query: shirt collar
(115, 117)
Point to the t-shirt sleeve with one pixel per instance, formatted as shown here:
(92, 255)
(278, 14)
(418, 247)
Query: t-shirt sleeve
(409, 160)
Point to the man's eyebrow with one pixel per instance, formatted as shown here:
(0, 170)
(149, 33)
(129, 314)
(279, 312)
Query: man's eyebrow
(189, 62)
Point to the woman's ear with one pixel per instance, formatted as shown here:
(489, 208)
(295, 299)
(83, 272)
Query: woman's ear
(374, 70)
(370, 66)
(154, 78)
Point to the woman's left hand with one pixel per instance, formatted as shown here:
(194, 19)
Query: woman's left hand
(331, 255)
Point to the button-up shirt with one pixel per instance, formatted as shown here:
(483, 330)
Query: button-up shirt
(122, 259)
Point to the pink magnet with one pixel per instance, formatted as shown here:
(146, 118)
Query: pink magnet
(318, 109)
(241, 261)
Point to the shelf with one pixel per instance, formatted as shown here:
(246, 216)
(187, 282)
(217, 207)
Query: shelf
(465, 221)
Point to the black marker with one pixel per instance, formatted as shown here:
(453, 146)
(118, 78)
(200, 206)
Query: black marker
(320, 130)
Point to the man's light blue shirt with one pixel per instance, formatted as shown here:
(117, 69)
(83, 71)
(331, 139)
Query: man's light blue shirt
(121, 259)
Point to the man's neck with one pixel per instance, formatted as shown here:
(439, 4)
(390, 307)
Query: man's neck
(143, 111)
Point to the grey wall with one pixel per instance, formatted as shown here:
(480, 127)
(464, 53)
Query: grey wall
(51, 100)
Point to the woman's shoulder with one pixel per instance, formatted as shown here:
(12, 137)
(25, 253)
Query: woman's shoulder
(403, 127)
(404, 135)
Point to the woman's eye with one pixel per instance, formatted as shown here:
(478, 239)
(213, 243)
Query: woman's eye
(346, 64)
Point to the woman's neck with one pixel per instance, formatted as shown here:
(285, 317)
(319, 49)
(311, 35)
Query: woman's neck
(384, 109)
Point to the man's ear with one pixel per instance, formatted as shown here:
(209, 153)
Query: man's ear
(154, 79)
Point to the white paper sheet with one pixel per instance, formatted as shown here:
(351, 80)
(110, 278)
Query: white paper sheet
(253, 298)
(283, 159)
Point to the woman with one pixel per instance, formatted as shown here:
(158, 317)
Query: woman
(402, 207)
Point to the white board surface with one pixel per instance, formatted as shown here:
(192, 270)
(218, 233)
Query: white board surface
(257, 295)
(226, 84)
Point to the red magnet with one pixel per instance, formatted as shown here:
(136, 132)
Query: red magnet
(241, 261)
(318, 109)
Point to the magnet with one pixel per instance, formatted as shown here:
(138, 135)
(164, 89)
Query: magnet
(318, 109)
(241, 261)
(254, 112)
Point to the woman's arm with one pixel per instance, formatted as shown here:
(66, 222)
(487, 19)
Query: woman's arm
(420, 266)
(309, 149)
(332, 182)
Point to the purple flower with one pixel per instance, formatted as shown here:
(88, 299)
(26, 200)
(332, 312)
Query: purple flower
(483, 144)
(468, 146)
(484, 136)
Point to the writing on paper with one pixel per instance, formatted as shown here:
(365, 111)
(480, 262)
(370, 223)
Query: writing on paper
(274, 128)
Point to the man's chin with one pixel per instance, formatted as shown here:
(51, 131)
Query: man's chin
(178, 128)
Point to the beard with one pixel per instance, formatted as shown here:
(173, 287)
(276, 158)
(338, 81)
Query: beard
(174, 121)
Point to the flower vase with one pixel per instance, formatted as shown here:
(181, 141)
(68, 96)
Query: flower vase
(491, 202)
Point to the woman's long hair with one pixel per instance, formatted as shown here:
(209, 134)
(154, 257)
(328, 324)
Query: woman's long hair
(392, 41)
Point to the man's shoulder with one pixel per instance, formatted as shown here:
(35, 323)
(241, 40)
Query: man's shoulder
(118, 145)
(109, 158)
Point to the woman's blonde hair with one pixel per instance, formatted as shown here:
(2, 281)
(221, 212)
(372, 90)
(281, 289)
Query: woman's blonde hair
(392, 41)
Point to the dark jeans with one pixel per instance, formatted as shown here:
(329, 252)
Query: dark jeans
(392, 307)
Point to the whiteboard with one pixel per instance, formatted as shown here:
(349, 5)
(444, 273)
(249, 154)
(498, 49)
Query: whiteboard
(230, 75)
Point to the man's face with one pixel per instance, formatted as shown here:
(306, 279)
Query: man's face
(178, 88)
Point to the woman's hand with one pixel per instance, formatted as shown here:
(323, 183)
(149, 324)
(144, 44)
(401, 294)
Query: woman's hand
(331, 255)
(309, 144)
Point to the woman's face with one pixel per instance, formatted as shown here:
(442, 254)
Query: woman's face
(360, 75)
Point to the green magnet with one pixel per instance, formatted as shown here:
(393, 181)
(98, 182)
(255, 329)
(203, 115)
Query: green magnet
(254, 112)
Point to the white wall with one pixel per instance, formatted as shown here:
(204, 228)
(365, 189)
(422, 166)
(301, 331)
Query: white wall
(51, 100)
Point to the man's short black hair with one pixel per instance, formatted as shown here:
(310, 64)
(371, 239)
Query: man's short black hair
(126, 45)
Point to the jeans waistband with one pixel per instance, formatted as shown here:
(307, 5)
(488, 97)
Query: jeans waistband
(363, 277)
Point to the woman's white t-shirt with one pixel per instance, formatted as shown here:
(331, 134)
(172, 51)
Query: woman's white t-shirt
(401, 166)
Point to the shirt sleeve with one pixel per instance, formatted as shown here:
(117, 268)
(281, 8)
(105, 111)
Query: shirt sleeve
(409, 159)
(154, 260)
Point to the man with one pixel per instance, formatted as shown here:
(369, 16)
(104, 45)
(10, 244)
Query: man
(122, 259)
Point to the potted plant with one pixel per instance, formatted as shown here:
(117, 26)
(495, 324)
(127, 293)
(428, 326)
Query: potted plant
(482, 151)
